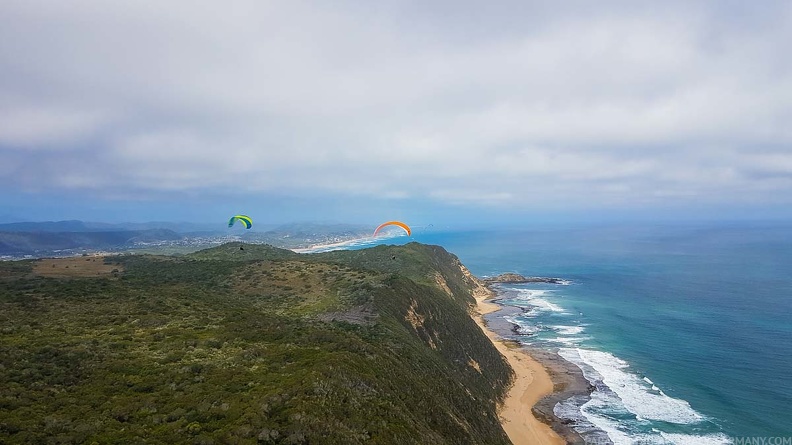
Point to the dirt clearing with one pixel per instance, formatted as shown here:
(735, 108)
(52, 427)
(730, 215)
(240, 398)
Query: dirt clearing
(93, 266)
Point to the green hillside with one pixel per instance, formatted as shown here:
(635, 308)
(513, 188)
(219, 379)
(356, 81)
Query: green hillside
(244, 346)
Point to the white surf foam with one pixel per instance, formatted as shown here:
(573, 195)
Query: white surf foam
(637, 395)
(534, 298)
(527, 294)
(605, 403)
(604, 410)
(654, 387)
(568, 330)
(570, 409)
(569, 341)
(522, 327)
(544, 305)
(691, 439)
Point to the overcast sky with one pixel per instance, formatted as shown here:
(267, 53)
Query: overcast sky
(146, 110)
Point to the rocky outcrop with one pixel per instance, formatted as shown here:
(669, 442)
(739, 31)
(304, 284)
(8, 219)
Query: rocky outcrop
(511, 277)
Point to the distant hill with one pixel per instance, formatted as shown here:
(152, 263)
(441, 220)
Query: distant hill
(43, 243)
(290, 229)
(305, 234)
(47, 226)
(63, 238)
(247, 344)
(59, 238)
(83, 226)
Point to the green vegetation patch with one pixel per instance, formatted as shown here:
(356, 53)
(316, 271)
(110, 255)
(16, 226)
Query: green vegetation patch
(267, 348)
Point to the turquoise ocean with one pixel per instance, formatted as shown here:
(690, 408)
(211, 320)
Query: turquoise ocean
(684, 330)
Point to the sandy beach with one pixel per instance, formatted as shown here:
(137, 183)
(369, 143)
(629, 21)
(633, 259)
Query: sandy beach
(532, 382)
(340, 245)
(325, 247)
(328, 247)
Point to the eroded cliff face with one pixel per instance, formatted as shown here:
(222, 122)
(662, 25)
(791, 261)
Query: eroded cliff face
(253, 346)
(479, 289)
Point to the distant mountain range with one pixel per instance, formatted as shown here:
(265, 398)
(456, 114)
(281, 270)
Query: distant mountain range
(48, 243)
(64, 238)
(83, 226)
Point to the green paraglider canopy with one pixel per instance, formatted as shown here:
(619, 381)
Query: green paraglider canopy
(248, 223)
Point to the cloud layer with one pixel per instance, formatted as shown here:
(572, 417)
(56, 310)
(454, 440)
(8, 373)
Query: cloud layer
(533, 103)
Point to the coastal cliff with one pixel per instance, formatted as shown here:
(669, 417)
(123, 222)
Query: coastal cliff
(249, 344)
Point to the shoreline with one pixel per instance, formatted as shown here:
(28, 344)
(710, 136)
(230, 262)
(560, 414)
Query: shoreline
(568, 380)
(339, 245)
(542, 379)
(532, 381)
(326, 247)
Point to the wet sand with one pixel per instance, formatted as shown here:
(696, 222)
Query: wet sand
(567, 378)
(532, 381)
(542, 380)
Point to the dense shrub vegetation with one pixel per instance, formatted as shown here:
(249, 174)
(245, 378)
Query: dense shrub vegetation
(259, 345)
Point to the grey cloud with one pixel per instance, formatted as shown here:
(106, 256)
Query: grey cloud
(613, 103)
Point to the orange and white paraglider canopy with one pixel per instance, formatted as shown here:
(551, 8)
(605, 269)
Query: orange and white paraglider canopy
(394, 223)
